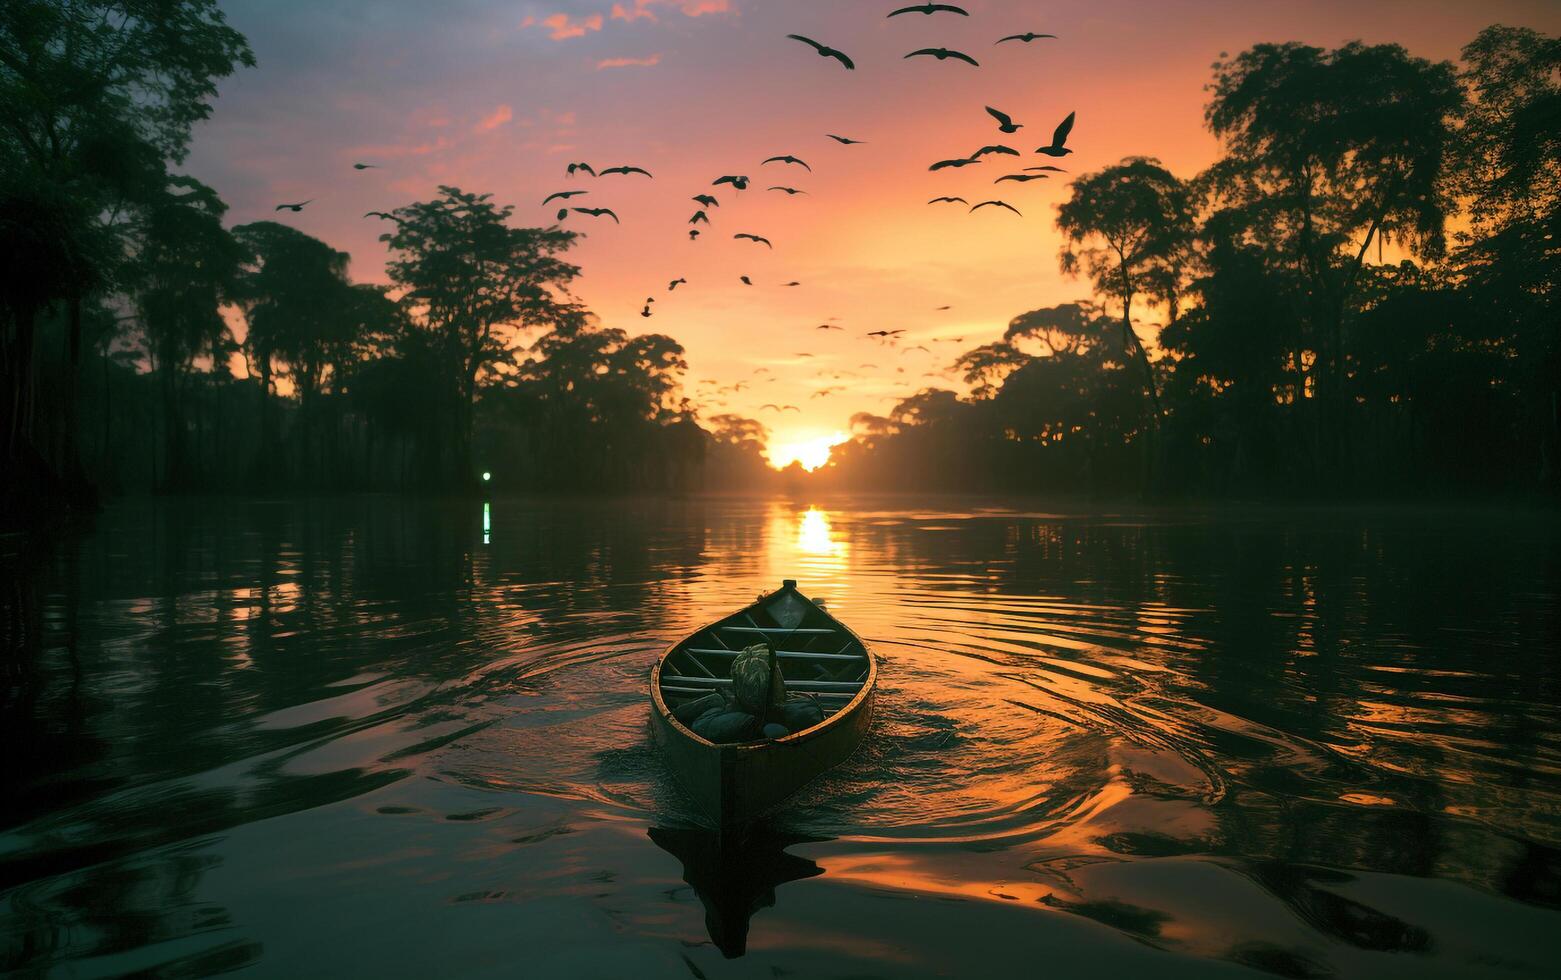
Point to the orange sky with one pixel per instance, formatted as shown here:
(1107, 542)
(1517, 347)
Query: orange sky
(500, 96)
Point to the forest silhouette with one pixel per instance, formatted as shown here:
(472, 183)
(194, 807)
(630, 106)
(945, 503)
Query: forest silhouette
(1358, 298)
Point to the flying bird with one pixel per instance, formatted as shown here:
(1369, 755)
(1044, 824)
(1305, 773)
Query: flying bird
(675, 283)
(945, 164)
(741, 183)
(944, 308)
(753, 238)
(943, 54)
(994, 148)
(562, 214)
(381, 214)
(846, 140)
(883, 333)
(1005, 122)
(792, 283)
(949, 200)
(364, 166)
(295, 208)
(566, 195)
(707, 201)
(789, 190)
(788, 158)
(581, 166)
(828, 326)
(1000, 204)
(646, 310)
(1026, 37)
(1048, 167)
(693, 234)
(825, 52)
(598, 212)
(931, 8)
(1021, 177)
(625, 171)
(1057, 149)
(746, 280)
(698, 217)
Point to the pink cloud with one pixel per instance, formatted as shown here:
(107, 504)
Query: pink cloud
(563, 27)
(654, 59)
(494, 119)
(646, 9)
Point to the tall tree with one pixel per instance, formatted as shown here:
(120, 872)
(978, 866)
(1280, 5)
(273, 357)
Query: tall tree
(183, 270)
(470, 281)
(1327, 153)
(95, 95)
(1510, 172)
(1128, 227)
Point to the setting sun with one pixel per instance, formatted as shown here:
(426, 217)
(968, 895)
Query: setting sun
(810, 453)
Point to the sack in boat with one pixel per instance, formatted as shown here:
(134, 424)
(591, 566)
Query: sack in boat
(687, 712)
(756, 679)
(722, 726)
(799, 712)
(773, 730)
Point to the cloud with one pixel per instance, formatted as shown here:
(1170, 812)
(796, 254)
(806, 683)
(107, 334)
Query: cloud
(654, 59)
(494, 119)
(646, 9)
(565, 27)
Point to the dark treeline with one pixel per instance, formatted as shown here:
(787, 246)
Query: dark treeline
(148, 344)
(1359, 298)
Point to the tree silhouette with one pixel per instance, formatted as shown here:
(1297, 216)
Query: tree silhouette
(97, 95)
(1328, 152)
(470, 281)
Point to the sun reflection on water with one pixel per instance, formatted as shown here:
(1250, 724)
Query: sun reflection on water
(814, 535)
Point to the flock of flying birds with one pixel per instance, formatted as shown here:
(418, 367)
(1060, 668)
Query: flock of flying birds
(707, 201)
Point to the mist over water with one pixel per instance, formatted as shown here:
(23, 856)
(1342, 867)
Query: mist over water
(401, 737)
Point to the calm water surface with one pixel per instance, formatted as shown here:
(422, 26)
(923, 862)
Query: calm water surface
(410, 739)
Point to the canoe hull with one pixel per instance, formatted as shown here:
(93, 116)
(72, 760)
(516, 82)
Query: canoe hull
(734, 784)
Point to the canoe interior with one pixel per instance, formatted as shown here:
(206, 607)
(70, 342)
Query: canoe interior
(818, 655)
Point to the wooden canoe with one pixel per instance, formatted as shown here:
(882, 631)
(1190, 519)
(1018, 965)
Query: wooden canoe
(819, 655)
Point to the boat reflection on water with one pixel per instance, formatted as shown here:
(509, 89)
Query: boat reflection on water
(735, 879)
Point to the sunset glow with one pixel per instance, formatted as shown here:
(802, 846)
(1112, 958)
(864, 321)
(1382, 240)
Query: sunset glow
(809, 453)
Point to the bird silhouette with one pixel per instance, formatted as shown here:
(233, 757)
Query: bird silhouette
(1059, 137)
(562, 214)
(295, 208)
(846, 140)
(1048, 167)
(790, 191)
(1022, 177)
(1005, 122)
(705, 200)
(959, 162)
(566, 195)
(625, 171)
(943, 54)
(692, 235)
(646, 310)
(825, 51)
(381, 214)
(949, 200)
(364, 166)
(1026, 37)
(883, 333)
(746, 280)
(828, 326)
(581, 166)
(741, 183)
(1000, 204)
(753, 238)
(995, 148)
(698, 217)
(598, 212)
(675, 283)
(792, 283)
(931, 8)
(788, 158)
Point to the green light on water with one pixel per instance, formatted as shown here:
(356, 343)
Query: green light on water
(486, 476)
